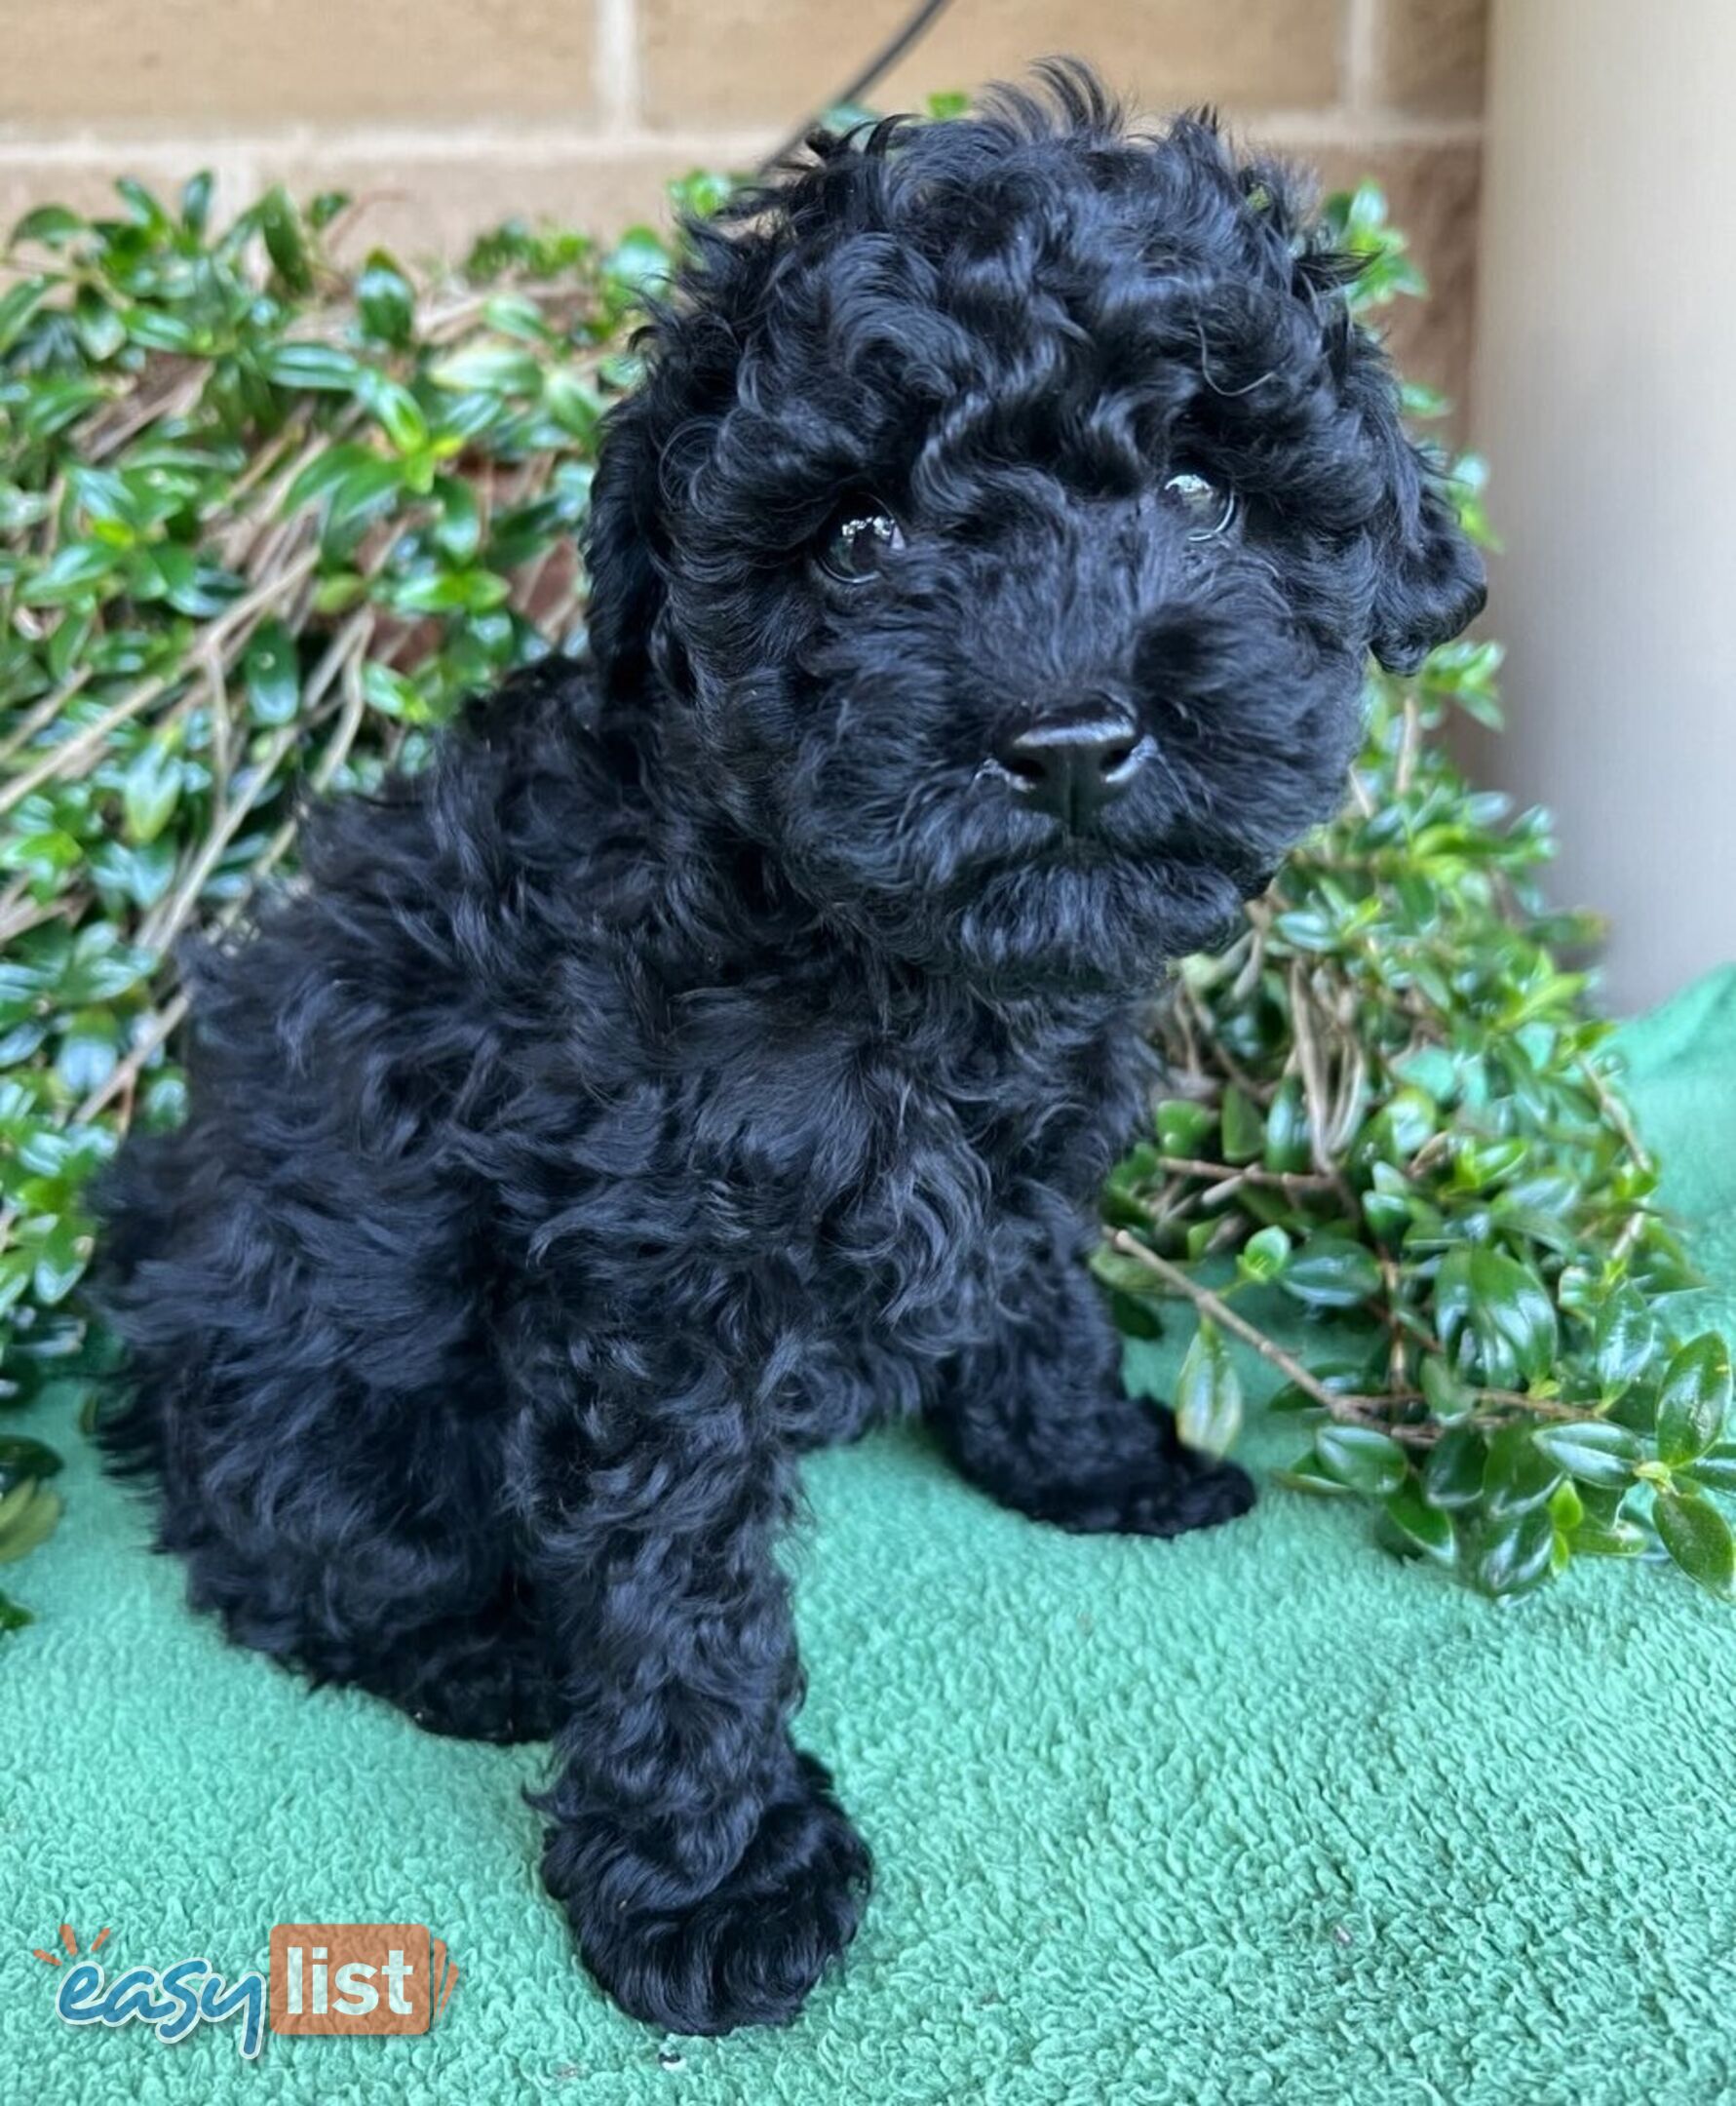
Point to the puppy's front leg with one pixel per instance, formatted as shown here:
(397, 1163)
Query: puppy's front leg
(1038, 1418)
(707, 1870)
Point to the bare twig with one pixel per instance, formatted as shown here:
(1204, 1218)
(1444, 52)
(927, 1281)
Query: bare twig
(125, 1074)
(160, 933)
(1361, 1410)
(222, 635)
(1616, 1112)
(1342, 1405)
(1290, 1181)
(45, 713)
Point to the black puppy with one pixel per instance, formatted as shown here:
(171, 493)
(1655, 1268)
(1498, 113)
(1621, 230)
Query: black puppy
(721, 1047)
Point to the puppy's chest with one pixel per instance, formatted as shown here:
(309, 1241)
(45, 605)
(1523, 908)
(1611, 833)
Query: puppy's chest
(943, 1202)
(893, 1191)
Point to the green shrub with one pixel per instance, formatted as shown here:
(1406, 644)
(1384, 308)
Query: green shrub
(267, 521)
(263, 523)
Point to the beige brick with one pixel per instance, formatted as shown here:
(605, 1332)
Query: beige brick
(1429, 55)
(169, 63)
(771, 61)
(421, 206)
(1433, 193)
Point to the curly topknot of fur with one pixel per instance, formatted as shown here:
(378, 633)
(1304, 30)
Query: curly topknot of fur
(721, 1046)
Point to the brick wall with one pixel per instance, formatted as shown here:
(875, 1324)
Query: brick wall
(447, 114)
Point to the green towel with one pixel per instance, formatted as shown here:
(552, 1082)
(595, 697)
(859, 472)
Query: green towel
(1257, 1816)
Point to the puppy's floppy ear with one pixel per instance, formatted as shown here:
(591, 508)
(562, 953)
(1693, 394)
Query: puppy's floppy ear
(1430, 579)
(620, 547)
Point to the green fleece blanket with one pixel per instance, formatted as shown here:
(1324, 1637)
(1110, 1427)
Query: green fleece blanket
(1257, 1815)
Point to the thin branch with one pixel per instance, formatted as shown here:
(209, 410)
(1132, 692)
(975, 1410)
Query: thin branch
(1210, 1304)
(60, 759)
(125, 1074)
(1616, 1112)
(166, 925)
(45, 713)
(1342, 1405)
(1290, 1181)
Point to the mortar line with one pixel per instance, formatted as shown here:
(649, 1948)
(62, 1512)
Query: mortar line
(737, 147)
(616, 59)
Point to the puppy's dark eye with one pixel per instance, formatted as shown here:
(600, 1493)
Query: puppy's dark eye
(1209, 509)
(858, 541)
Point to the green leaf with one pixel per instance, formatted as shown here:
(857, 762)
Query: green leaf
(1183, 1128)
(1716, 1470)
(1625, 1340)
(72, 573)
(1306, 1475)
(398, 411)
(1514, 1553)
(286, 241)
(21, 1458)
(1449, 1399)
(1244, 1129)
(1694, 1400)
(1264, 1255)
(1120, 1272)
(1495, 1316)
(26, 1526)
(272, 674)
(1592, 1450)
(151, 789)
(195, 201)
(59, 1261)
(53, 225)
(488, 369)
(451, 592)
(17, 303)
(328, 473)
(1616, 1539)
(1698, 1538)
(1331, 1272)
(384, 299)
(1518, 1475)
(1453, 1474)
(640, 261)
(1422, 1530)
(459, 528)
(1287, 1143)
(1365, 1459)
(386, 690)
(315, 368)
(89, 1051)
(1208, 1394)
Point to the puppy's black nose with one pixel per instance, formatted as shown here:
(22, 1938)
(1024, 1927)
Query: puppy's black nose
(1072, 761)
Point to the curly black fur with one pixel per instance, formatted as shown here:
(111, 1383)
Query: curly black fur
(711, 1054)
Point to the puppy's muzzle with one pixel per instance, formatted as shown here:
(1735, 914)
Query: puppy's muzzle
(1071, 762)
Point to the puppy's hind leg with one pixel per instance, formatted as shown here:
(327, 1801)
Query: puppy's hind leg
(352, 1540)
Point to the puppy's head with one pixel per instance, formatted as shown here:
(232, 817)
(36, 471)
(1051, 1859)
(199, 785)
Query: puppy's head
(1003, 525)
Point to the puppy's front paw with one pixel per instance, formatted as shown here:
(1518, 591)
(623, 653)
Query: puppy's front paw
(1165, 1496)
(745, 1953)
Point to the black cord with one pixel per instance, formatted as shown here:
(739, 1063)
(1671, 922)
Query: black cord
(885, 58)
